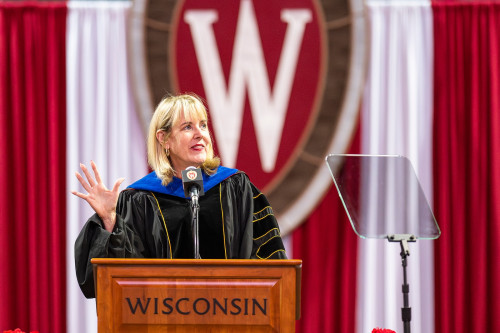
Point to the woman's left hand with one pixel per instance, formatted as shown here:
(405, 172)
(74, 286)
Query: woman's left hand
(102, 200)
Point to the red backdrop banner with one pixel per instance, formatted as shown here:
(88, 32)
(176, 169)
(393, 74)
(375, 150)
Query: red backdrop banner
(32, 177)
(467, 165)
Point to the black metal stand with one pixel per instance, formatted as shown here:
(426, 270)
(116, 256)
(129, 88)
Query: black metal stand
(405, 252)
(195, 208)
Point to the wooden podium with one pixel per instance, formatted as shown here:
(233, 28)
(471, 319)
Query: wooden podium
(204, 295)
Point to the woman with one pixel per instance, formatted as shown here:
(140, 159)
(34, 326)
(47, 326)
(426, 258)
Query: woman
(152, 217)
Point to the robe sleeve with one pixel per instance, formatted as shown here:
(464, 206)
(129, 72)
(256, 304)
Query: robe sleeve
(94, 241)
(262, 233)
(267, 242)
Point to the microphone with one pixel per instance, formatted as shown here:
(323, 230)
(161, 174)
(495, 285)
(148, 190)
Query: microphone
(192, 182)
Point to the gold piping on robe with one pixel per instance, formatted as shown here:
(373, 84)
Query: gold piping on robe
(164, 224)
(261, 210)
(257, 195)
(222, 214)
(262, 218)
(269, 256)
(261, 245)
(267, 233)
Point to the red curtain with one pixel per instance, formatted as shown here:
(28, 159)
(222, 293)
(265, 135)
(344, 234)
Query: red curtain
(467, 165)
(327, 245)
(32, 166)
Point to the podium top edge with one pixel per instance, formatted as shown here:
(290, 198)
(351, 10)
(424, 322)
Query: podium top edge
(201, 262)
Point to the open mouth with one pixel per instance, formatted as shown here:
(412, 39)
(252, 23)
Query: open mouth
(198, 147)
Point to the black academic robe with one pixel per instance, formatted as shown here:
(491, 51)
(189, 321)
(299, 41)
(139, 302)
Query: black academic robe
(235, 222)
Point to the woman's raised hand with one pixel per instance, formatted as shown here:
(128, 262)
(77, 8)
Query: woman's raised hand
(102, 200)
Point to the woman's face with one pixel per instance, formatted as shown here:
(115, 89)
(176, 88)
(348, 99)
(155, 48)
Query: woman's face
(188, 143)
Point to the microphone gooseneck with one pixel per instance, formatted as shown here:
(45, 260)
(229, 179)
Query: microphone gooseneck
(192, 182)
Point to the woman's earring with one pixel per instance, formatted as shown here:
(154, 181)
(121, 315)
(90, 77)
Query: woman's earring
(168, 152)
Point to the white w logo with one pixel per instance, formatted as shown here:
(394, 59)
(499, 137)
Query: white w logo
(247, 69)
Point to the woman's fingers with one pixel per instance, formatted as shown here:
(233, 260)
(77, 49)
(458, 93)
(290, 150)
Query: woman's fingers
(90, 184)
(117, 184)
(83, 182)
(80, 195)
(87, 174)
(96, 172)
(102, 200)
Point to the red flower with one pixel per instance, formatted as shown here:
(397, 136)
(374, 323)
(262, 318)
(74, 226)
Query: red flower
(382, 330)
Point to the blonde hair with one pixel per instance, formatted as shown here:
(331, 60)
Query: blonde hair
(166, 115)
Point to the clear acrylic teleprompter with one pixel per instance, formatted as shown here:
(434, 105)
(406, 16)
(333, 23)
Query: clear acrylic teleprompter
(383, 199)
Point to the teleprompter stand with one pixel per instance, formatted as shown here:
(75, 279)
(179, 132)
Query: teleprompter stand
(383, 199)
(405, 252)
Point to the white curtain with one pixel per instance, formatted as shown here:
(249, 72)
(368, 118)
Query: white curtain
(102, 123)
(397, 119)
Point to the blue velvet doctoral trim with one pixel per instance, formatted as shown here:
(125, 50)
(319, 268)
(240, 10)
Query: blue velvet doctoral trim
(152, 183)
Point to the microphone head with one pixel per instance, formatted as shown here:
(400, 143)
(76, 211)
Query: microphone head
(192, 177)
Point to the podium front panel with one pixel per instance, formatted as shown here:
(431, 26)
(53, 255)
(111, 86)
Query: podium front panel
(162, 295)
